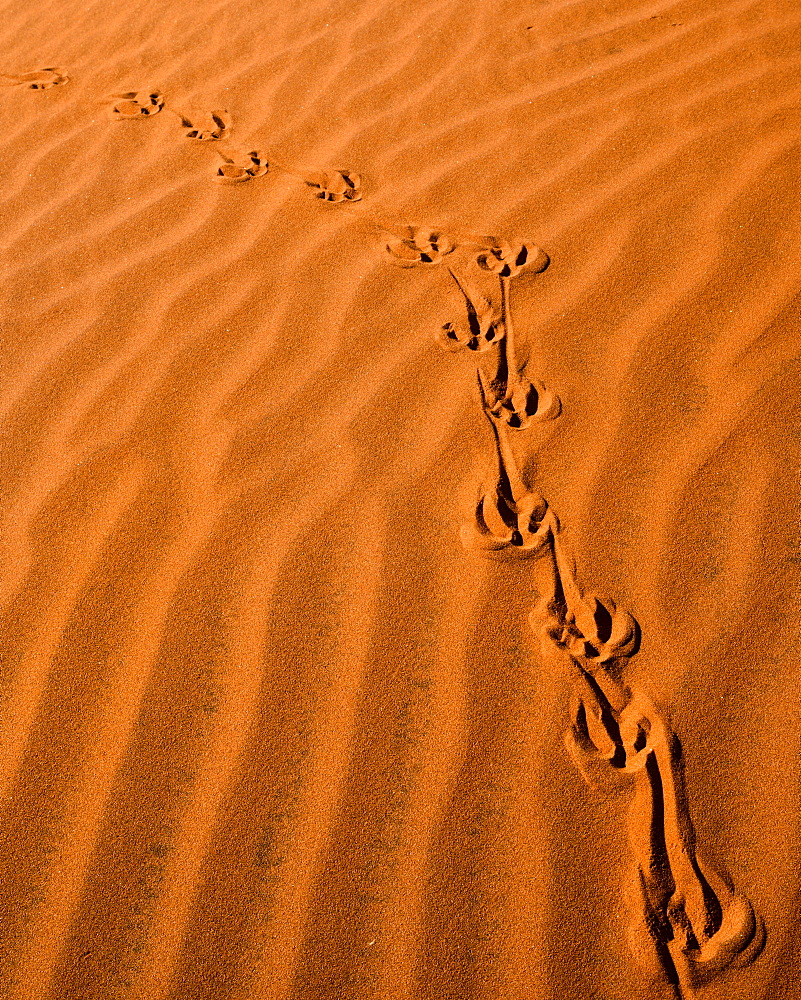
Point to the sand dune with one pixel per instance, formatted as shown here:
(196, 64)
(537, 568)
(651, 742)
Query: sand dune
(269, 728)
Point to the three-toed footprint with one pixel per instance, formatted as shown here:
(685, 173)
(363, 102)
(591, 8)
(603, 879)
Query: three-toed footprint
(136, 104)
(336, 186)
(38, 79)
(240, 165)
(209, 126)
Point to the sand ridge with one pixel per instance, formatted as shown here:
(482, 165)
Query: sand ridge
(269, 729)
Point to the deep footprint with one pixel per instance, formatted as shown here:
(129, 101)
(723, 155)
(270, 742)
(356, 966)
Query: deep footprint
(484, 327)
(528, 402)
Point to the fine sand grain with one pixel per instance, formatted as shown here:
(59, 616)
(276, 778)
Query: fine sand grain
(273, 727)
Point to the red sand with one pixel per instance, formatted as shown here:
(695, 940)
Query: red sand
(270, 731)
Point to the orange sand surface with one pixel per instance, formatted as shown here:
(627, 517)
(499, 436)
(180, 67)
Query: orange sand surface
(270, 731)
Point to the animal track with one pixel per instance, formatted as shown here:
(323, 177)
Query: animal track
(697, 924)
(503, 524)
(511, 520)
(527, 402)
(240, 166)
(507, 260)
(474, 338)
(420, 246)
(39, 79)
(217, 126)
(484, 327)
(136, 104)
(517, 402)
(506, 396)
(336, 186)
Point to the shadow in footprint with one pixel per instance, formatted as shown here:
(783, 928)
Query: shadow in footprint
(238, 166)
(136, 104)
(206, 126)
(336, 186)
(527, 402)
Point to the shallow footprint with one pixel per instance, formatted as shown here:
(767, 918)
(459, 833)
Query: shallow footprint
(137, 104)
(39, 79)
(420, 246)
(210, 126)
(336, 186)
(238, 166)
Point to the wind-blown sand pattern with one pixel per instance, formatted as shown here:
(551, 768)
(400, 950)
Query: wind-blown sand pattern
(269, 729)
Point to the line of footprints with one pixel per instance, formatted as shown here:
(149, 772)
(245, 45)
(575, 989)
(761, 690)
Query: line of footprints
(509, 517)
(696, 923)
(237, 165)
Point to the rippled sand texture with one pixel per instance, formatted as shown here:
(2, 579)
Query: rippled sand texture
(267, 730)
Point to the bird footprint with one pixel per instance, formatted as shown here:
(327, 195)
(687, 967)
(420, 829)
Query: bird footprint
(238, 166)
(137, 104)
(336, 186)
(209, 127)
(484, 327)
(39, 79)
(527, 402)
(506, 527)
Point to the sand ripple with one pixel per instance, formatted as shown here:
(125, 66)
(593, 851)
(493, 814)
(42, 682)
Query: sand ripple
(268, 731)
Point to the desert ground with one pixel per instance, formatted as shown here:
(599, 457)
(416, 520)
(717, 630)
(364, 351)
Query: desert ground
(273, 725)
